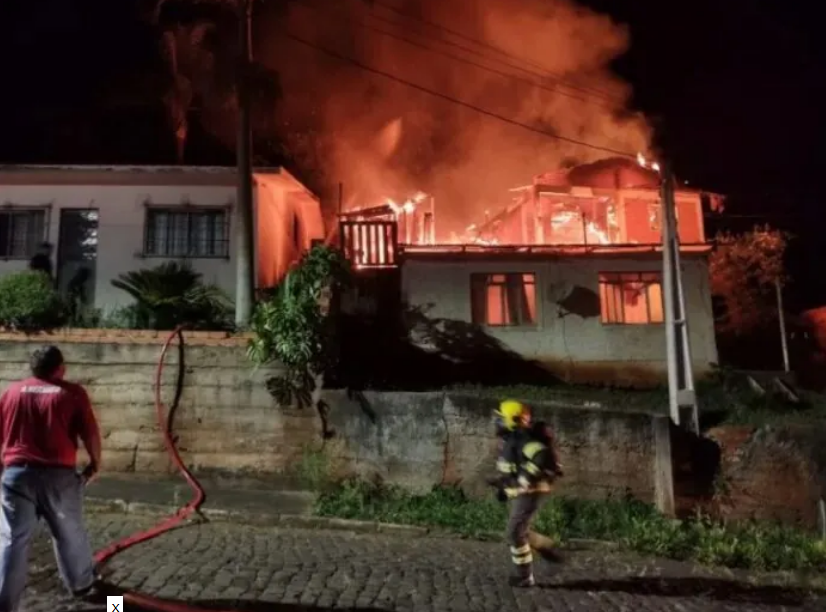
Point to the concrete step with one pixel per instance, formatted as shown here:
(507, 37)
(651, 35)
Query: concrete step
(219, 495)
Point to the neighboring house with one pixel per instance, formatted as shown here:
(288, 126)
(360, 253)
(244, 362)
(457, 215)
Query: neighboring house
(105, 221)
(569, 275)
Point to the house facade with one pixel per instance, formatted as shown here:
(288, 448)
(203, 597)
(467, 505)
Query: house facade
(590, 317)
(105, 221)
(568, 275)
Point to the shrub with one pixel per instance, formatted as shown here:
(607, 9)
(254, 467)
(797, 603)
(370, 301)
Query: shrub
(29, 302)
(123, 317)
(173, 294)
(85, 317)
(292, 327)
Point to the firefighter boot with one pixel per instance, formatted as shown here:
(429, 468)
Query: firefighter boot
(545, 547)
(523, 562)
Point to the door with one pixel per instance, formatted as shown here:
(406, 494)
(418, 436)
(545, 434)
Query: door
(77, 253)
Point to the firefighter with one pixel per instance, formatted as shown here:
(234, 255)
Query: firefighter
(527, 466)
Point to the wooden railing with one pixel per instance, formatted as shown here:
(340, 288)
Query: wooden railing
(370, 244)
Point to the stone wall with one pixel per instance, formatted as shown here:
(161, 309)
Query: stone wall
(771, 473)
(227, 423)
(226, 419)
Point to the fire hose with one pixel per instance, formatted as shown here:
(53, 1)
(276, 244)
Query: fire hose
(139, 599)
(149, 602)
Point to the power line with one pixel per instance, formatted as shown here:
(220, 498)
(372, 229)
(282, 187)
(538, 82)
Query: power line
(456, 101)
(487, 45)
(596, 93)
(560, 81)
(556, 90)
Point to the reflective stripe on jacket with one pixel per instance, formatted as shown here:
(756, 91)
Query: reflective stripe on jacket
(524, 464)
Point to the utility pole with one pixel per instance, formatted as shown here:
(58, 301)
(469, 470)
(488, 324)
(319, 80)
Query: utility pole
(682, 398)
(784, 343)
(244, 245)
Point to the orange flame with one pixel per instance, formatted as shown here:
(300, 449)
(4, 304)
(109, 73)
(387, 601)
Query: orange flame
(642, 161)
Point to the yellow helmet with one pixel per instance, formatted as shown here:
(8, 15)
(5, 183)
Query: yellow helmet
(512, 414)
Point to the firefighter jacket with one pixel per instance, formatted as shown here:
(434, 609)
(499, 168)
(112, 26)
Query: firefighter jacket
(526, 464)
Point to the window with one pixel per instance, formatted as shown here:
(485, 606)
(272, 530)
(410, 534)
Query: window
(655, 216)
(173, 232)
(503, 300)
(631, 298)
(21, 231)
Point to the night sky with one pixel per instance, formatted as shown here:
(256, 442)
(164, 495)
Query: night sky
(736, 88)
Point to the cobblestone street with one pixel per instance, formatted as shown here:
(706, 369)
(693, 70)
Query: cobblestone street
(217, 564)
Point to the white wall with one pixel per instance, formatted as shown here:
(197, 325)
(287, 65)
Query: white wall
(446, 285)
(121, 228)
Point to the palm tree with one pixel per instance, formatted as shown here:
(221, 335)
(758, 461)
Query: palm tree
(205, 77)
(172, 294)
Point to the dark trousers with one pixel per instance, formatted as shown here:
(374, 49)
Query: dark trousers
(522, 511)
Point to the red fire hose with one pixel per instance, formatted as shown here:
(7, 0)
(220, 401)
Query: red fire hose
(139, 599)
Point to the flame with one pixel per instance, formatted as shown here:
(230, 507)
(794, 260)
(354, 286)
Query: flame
(408, 206)
(397, 210)
(575, 219)
(597, 235)
(642, 161)
(368, 230)
(378, 136)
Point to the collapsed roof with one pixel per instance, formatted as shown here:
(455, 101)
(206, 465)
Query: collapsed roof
(608, 173)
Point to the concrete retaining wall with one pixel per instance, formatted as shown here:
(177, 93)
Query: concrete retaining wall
(420, 440)
(228, 423)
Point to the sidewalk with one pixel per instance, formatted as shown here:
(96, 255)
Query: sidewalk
(162, 496)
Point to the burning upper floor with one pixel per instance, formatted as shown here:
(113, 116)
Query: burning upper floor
(614, 201)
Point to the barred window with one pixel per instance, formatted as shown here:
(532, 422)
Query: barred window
(503, 300)
(631, 298)
(21, 231)
(173, 232)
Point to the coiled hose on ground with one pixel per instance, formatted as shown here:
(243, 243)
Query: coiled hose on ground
(138, 599)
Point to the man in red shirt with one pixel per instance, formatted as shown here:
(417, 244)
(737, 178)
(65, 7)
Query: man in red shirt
(41, 419)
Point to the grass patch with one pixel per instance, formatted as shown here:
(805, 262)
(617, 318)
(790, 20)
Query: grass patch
(634, 525)
(312, 470)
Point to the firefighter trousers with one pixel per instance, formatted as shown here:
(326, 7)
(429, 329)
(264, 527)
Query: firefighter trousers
(523, 508)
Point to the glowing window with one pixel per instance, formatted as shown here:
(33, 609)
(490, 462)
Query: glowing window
(655, 216)
(631, 298)
(504, 300)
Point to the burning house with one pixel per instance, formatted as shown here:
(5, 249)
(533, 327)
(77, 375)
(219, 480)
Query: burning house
(568, 274)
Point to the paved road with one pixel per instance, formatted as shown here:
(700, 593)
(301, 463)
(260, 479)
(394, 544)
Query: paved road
(217, 564)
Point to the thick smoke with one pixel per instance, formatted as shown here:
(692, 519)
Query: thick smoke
(384, 139)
